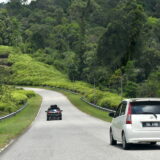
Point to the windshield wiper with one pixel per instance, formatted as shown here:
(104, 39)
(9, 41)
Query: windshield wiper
(150, 113)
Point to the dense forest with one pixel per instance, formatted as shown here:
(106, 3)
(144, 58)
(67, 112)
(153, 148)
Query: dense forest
(108, 43)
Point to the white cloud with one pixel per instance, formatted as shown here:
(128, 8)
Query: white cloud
(3, 1)
(8, 0)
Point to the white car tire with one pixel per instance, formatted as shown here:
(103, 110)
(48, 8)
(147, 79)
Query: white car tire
(112, 141)
(125, 145)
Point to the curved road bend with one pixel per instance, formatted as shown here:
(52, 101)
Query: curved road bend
(77, 137)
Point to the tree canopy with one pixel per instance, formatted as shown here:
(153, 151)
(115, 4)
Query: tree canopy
(102, 40)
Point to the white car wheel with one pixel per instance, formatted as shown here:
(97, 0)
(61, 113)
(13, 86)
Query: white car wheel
(125, 145)
(112, 141)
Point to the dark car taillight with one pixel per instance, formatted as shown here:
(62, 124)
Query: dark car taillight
(129, 115)
(49, 112)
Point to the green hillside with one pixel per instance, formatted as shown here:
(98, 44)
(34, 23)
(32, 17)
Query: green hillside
(28, 71)
(25, 70)
(112, 44)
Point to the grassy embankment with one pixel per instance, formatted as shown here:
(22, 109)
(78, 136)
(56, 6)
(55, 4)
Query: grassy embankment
(15, 126)
(28, 71)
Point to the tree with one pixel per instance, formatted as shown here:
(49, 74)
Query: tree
(131, 89)
(65, 37)
(9, 30)
(151, 87)
(149, 60)
(63, 3)
(40, 34)
(121, 42)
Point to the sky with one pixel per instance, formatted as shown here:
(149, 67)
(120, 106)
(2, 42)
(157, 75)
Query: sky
(8, 0)
(3, 1)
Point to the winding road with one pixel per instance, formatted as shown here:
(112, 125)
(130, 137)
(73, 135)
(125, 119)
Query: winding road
(77, 137)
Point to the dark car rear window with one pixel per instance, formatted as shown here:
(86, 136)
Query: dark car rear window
(56, 109)
(146, 107)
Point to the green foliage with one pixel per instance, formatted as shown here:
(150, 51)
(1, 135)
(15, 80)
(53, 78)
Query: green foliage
(115, 79)
(151, 87)
(15, 126)
(5, 108)
(6, 50)
(131, 71)
(28, 93)
(151, 7)
(27, 71)
(104, 99)
(9, 29)
(110, 100)
(18, 97)
(66, 37)
(131, 89)
(120, 43)
(101, 42)
(5, 71)
(4, 74)
(153, 21)
(11, 98)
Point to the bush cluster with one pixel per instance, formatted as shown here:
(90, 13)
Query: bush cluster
(101, 98)
(11, 98)
(5, 51)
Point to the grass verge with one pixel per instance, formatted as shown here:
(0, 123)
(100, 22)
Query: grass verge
(84, 107)
(15, 126)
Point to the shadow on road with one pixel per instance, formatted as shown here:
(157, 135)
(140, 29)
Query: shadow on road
(141, 147)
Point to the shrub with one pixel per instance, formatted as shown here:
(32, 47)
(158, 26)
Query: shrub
(109, 101)
(94, 95)
(3, 106)
(28, 93)
(7, 107)
(18, 98)
(6, 50)
(12, 98)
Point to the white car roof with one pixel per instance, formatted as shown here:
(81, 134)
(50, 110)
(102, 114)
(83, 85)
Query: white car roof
(141, 99)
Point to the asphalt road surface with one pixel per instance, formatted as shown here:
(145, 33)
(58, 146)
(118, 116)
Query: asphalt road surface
(77, 137)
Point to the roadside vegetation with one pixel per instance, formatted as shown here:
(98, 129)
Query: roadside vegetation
(28, 71)
(104, 43)
(11, 99)
(15, 126)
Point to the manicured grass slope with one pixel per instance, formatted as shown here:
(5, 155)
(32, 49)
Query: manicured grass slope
(12, 127)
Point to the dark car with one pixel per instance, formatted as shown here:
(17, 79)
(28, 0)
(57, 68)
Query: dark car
(54, 112)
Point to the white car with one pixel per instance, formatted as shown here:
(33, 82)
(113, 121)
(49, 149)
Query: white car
(136, 121)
